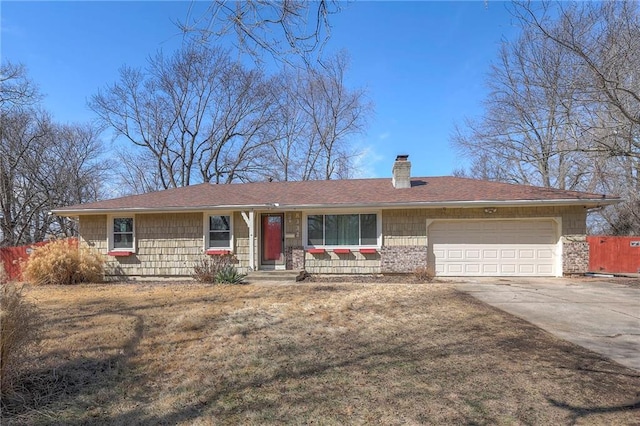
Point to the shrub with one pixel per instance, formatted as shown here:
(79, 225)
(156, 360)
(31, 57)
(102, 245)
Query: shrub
(3, 275)
(217, 269)
(60, 262)
(424, 274)
(18, 334)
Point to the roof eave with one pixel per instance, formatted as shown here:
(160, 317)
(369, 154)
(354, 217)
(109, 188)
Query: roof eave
(587, 202)
(590, 203)
(174, 209)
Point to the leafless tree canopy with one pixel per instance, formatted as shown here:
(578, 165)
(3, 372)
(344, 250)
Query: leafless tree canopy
(290, 31)
(43, 165)
(564, 106)
(16, 89)
(198, 116)
(318, 116)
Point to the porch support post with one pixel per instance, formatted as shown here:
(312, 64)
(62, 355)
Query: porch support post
(250, 224)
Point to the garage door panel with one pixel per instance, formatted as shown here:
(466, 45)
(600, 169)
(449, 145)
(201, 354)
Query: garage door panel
(473, 254)
(489, 268)
(508, 254)
(545, 254)
(494, 247)
(472, 268)
(527, 268)
(526, 254)
(507, 269)
(455, 268)
(454, 254)
(545, 269)
(489, 254)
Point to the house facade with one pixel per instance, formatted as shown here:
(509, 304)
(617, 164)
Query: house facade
(457, 226)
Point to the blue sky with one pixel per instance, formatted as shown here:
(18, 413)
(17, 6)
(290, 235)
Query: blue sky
(424, 64)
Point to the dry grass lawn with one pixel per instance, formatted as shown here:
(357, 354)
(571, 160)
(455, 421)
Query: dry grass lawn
(330, 353)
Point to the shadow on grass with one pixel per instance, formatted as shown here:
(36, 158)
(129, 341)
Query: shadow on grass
(39, 389)
(577, 411)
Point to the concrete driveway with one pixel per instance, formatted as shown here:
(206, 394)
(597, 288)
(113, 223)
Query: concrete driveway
(598, 315)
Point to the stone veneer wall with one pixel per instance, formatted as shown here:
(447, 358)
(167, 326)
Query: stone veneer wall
(575, 254)
(402, 259)
(293, 251)
(294, 258)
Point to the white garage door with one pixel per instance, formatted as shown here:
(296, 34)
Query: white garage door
(494, 248)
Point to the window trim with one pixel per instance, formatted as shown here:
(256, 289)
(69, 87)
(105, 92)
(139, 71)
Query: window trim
(305, 229)
(111, 237)
(206, 230)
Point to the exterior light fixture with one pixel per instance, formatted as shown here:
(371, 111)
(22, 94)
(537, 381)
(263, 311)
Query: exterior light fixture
(490, 210)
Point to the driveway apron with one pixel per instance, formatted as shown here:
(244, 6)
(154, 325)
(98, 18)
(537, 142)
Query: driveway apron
(601, 316)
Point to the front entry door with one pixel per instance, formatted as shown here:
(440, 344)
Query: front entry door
(273, 239)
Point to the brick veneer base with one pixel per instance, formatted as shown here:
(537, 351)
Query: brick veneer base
(294, 257)
(575, 254)
(402, 259)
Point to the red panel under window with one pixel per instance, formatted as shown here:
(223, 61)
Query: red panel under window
(342, 251)
(218, 252)
(368, 251)
(119, 253)
(315, 251)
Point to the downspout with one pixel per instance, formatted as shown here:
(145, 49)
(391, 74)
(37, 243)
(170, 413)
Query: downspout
(250, 224)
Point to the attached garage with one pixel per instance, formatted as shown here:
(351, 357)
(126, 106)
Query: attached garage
(495, 247)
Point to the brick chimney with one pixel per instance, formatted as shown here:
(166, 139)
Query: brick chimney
(401, 172)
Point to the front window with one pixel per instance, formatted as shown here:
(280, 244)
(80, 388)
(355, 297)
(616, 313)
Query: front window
(342, 230)
(220, 232)
(123, 233)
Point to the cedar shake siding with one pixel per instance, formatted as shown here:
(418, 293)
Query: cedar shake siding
(166, 244)
(170, 244)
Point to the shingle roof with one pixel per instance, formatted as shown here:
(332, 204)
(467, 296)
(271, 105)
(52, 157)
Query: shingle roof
(424, 191)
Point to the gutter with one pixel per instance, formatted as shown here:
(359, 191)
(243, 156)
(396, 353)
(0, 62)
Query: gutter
(587, 202)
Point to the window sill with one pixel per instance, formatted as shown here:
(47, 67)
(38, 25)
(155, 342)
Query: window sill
(120, 253)
(316, 251)
(217, 252)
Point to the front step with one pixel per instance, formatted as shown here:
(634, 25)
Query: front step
(288, 276)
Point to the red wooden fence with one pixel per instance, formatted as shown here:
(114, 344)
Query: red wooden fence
(11, 257)
(614, 254)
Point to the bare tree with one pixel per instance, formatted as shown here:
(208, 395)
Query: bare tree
(289, 31)
(604, 37)
(43, 165)
(564, 108)
(320, 116)
(16, 89)
(527, 133)
(198, 117)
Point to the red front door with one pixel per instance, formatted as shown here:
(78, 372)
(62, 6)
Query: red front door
(272, 239)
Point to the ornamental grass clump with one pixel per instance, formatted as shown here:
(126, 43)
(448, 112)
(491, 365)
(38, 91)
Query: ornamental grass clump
(63, 263)
(18, 335)
(229, 275)
(424, 274)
